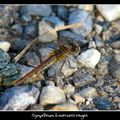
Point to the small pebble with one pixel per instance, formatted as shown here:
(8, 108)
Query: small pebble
(89, 99)
(109, 89)
(117, 56)
(8, 14)
(118, 89)
(103, 93)
(30, 31)
(5, 45)
(51, 73)
(20, 44)
(69, 89)
(114, 68)
(44, 52)
(89, 58)
(87, 102)
(26, 18)
(4, 58)
(59, 82)
(9, 74)
(105, 25)
(69, 67)
(51, 95)
(18, 29)
(44, 28)
(89, 92)
(49, 83)
(54, 21)
(99, 82)
(99, 43)
(38, 85)
(78, 98)
(116, 44)
(4, 34)
(80, 16)
(110, 12)
(18, 98)
(62, 12)
(91, 44)
(98, 28)
(32, 59)
(24, 69)
(103, 104)
(82, 78)
(36, 10)
(103, 68)
(116, 99)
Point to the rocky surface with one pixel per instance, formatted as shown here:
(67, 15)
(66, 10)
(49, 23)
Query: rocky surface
(88, 80)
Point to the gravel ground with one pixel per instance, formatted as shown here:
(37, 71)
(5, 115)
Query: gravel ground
(89, 80)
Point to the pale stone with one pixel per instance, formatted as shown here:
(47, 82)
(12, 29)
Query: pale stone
(19, 97)
(5, 45)
(98, 28)
(89, 92)
(69, 89)
(78, 98)
(46, 33)
(89, 58)
(52, 95)
(109, 12)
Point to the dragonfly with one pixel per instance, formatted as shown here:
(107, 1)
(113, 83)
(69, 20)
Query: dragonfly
(60, 53)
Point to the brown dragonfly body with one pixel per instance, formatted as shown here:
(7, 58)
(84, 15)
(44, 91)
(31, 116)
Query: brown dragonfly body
(57, 55)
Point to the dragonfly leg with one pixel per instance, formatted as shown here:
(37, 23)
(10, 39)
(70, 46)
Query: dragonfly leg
(65, 78)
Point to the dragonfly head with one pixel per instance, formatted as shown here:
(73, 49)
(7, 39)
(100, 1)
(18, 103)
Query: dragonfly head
(73, 48)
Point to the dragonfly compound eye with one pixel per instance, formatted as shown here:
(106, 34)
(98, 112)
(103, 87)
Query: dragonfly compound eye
(74, 48)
